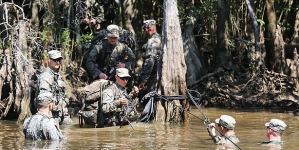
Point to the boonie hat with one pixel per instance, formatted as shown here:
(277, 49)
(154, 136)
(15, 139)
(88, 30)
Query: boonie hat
(148, 23)
(54, 54)
(44, 97)
(113, 31)
(276, 125)
(122, 72)
(226, 121)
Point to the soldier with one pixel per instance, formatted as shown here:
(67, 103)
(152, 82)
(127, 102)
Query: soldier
(119, 107)
(148, 72)
(275, 128)
(41, 126)
(97, 14)
(226, 125)
(50, 81)
(108, 55)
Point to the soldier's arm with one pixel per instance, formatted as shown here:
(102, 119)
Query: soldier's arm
(151, 54)
(45, 82)
(148, 64)
(91, 65)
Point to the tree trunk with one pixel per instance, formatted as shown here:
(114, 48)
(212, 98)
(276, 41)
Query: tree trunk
(275, 55)
(172, 69)
(129, 13)
(191, 52)
(295, 37)
(223, 56)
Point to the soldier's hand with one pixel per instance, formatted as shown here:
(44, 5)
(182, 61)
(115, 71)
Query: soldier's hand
(98, 26)
(211, 128)
(120, 65)
(135, 90)
(141, 85)
(123, 102)
(93, 21)
(85, 20)
(103, 76)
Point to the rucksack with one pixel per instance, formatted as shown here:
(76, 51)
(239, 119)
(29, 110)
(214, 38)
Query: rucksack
(90, 95)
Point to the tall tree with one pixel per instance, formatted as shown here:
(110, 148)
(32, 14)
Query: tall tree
(222, 54)
(172, 69)
(275, 55)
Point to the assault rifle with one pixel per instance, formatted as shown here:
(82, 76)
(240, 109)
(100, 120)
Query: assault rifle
(58, 94)
(127, 110)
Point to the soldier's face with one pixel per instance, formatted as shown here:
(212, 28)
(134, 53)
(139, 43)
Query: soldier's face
(122, 81)
(54, 64)
(112, 40)
(150, 30)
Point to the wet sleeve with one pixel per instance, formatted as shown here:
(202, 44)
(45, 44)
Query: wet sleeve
(91, 65)
(217, 139)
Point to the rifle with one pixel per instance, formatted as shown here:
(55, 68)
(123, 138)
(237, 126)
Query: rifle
(127, 110)
(168, 98)
(112, 73)
(58, 94)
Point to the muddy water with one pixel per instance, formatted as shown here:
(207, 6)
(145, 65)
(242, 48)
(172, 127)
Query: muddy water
(250, 130)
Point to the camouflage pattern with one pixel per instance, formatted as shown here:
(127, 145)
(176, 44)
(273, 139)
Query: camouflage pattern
(148, 23)
(221, 140)
(94, 10)
(148, 72)
(41, 127)
(104, 57)
(272, 143)
(111, 107)
(50, 81)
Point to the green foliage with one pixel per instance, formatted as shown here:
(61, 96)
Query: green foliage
(83, 39)
(44, 35)
(65, 39)
(260, 21)
(232, 45)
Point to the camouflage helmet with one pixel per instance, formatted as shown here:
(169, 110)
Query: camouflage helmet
(148, 23)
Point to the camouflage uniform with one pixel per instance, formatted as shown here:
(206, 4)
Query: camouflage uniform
(41, 127)
(221, 140)
(111, 107)
(228, 123)
(103, 11)
(278, 127)
(50, 81)
(104, 57)
(148, 72)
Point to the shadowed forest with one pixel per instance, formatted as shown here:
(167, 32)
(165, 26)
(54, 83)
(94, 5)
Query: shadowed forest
(237, 53)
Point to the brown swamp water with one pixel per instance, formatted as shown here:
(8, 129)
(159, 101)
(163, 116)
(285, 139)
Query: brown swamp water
(250, 130)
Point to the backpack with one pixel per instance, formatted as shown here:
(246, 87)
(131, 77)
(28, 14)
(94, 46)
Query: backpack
(90, 95)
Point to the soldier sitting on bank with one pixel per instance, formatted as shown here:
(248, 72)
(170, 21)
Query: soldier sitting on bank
(109, 55)
(119, 107)
(226, 125)
(41, 126)
(50, 81)
(275, 128)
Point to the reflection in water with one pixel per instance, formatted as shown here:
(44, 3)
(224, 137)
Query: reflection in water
(44, 144)
(250, 129)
